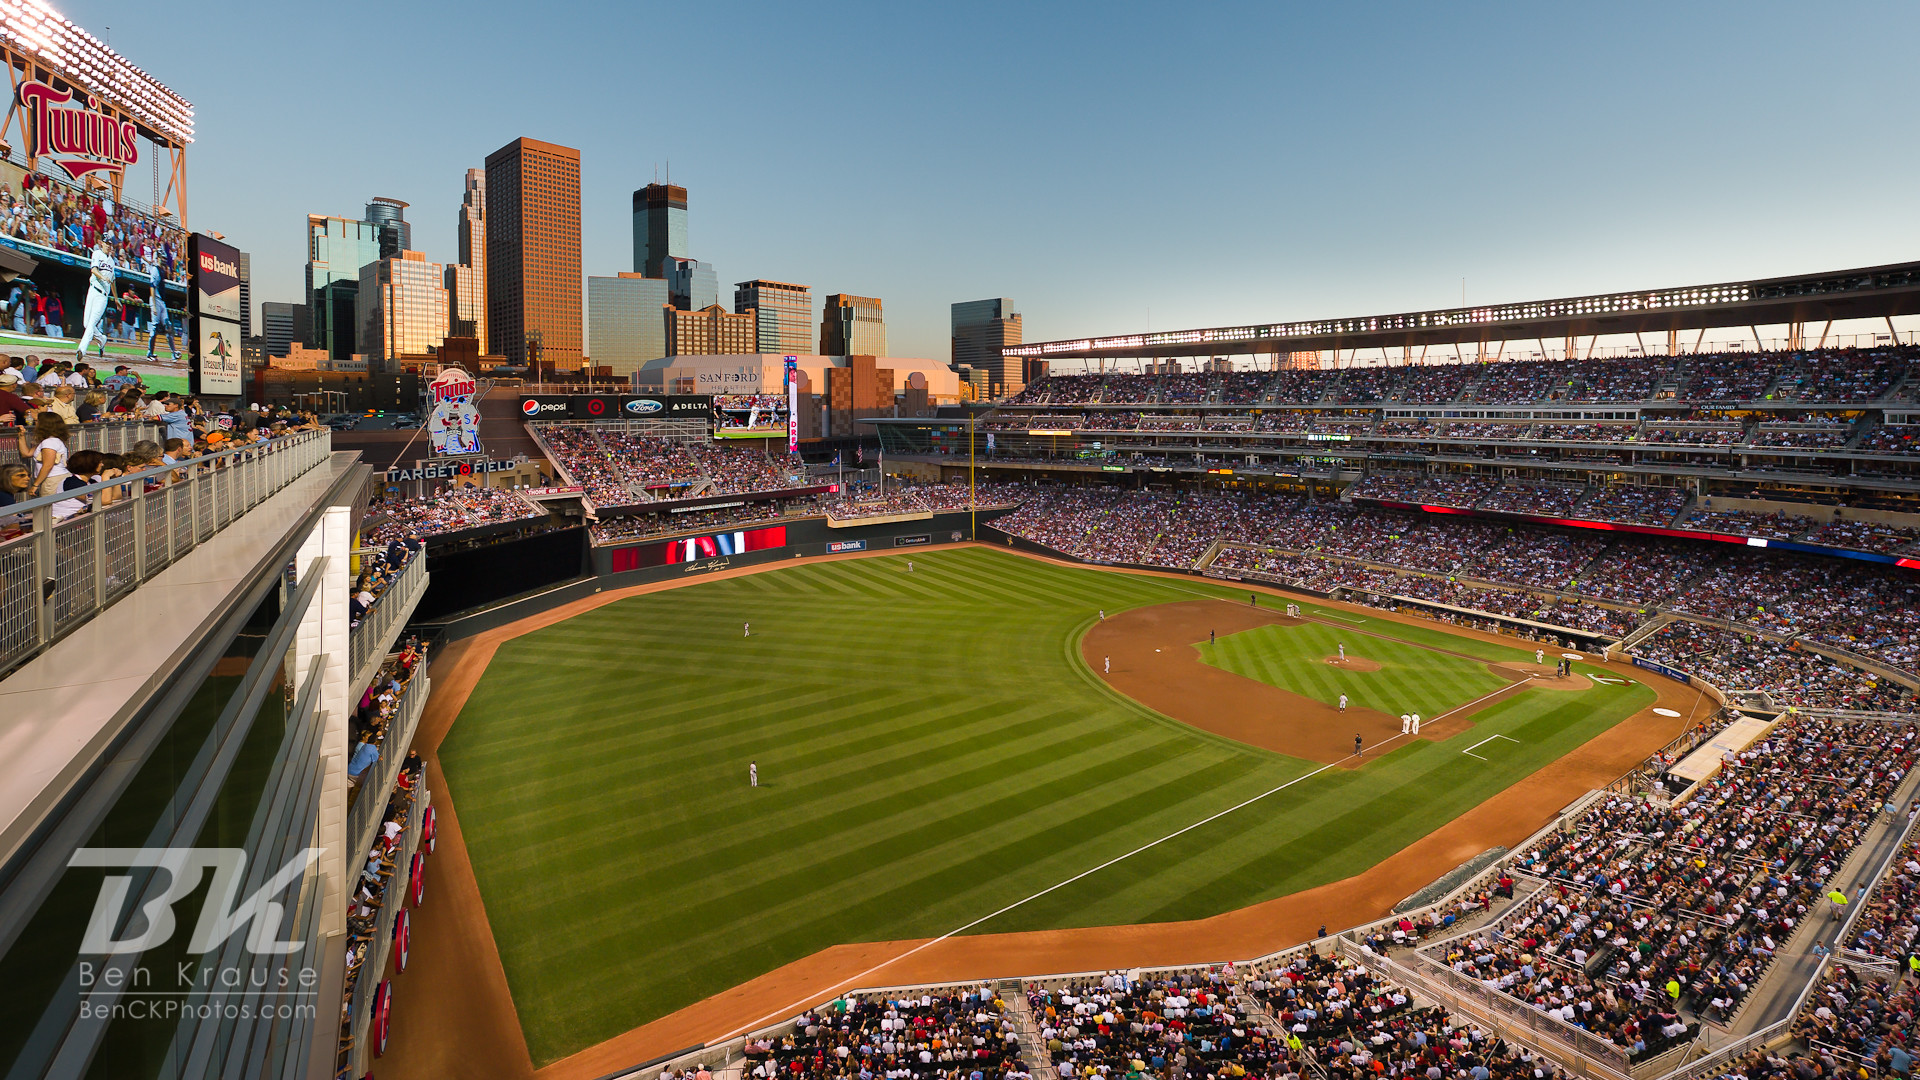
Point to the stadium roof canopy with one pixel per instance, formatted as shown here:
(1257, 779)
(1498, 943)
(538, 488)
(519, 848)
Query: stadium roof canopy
(1870, 292)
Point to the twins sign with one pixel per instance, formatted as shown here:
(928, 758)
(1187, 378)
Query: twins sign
(78, 139)
(454, 425)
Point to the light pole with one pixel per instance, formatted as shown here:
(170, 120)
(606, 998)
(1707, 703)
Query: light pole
(973, 508)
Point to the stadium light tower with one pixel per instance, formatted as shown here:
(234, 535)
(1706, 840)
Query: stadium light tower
(973, 508)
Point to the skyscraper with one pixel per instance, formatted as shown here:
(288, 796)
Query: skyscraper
(783, 314)
(402, 308)
(283, 326)
(467, 278)
(852, 326)
(981, 329)
(337, 248)
(533, 253)
(246, 296)
(691, 284)
(389, 220)
(709, 331)
(659, 227)
(626, 321)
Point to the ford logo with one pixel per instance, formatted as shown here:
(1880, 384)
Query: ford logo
(643, 406)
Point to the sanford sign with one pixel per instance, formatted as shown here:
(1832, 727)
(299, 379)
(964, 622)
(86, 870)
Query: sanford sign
(79, 140)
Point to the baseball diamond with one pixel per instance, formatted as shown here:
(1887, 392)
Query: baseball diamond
(932, 748)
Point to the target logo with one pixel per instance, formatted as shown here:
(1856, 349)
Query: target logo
(596, 406)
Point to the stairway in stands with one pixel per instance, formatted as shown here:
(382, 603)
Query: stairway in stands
(1304, 1056)
(1032, 1050)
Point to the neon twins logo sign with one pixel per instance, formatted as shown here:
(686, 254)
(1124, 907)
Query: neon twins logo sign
(79, 140)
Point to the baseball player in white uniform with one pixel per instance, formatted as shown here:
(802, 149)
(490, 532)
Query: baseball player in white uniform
(157, 305)
(99, 291)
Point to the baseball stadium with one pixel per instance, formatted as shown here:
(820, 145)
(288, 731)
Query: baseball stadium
(1513, 691)
(1550, 697)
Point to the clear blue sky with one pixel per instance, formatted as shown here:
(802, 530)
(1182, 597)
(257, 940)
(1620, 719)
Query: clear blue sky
(1111, 167)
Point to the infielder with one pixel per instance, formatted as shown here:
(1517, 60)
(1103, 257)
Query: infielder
(1343, 703)
(1405, 723)
(157, 304)
(1416, 723)
(99, 292)
(1539, 656)
(1106, 665)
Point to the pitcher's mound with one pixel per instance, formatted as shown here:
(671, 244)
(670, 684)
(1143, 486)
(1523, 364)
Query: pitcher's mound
(1354, 663)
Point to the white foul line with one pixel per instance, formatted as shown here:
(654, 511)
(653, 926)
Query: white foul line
(789, 1009)
(1469, 751)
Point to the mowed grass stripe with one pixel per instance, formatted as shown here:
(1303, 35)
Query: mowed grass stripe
(933, 749)
(809, 805)
(962, 878)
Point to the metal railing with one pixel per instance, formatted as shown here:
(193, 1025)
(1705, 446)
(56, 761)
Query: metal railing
(106, 436)
(1582, 1052)
(379, 941)
(60, 573)
(376, 783)
(370, 638)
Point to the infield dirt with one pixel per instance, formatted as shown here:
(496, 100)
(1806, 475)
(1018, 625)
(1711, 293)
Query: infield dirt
(1153, 661)
(454, 1015)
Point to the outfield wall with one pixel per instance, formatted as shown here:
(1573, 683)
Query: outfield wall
(519, 578)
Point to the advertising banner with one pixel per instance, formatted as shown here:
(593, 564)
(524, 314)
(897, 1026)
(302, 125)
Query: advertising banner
(1670, 673)
(913, 541)
(216, 278)
(616, 407)
(838, 546)
(597, 407)
(213, 314)
(671, 406)
(693, 549)
(216, 348)
(793, 405)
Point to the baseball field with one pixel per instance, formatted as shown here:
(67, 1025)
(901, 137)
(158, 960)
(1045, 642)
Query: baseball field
(959, 747)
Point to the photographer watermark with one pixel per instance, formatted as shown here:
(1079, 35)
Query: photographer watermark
(137, 991)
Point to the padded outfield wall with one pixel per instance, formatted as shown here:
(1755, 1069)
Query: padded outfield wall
(543, 558)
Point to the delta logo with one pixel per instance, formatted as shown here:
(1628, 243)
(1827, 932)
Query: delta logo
(79, 140)
(643, 406)
(534, 406)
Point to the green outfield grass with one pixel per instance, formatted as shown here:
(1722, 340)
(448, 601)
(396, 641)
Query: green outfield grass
(931, 749)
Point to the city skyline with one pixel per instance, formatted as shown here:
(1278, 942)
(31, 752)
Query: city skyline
(1373, 175)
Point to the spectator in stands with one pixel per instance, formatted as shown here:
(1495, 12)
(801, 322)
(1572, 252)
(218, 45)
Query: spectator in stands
(46, 448)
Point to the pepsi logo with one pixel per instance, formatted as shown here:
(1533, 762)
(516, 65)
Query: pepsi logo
(530, 407)
(643, 406)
